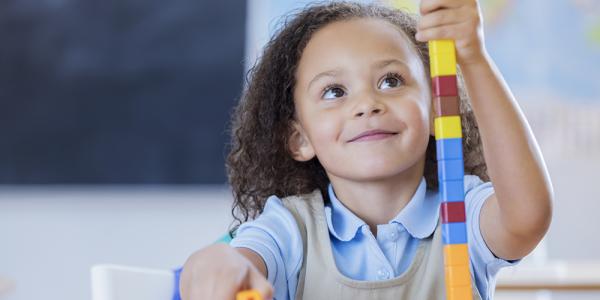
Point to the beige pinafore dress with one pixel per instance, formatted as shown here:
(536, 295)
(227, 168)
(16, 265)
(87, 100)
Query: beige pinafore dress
(320, 279)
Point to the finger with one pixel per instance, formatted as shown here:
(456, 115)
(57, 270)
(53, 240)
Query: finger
(446, 32)
(259, 283)
(428, 6)
(441, 17)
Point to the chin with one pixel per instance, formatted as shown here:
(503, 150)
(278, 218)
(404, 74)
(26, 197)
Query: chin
(376, 172)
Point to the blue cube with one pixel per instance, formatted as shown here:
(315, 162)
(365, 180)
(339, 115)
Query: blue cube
(454, 233)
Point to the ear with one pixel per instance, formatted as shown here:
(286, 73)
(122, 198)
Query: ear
(300, 146)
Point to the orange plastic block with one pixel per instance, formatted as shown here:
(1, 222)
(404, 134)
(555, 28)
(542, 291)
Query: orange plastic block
(248, 295)
(457, 275)
(459, 293)
(456, 255)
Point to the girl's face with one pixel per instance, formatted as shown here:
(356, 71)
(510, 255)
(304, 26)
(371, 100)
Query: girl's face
(362, 101)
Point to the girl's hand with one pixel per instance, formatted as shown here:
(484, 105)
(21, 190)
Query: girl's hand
(458, 20)
(220, 271)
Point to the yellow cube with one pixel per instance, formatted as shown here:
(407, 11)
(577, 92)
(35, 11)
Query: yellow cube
(441, 46)
(447, 127)
(442, 64)
(456, 255)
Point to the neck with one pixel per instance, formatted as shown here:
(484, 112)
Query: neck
(378, 201)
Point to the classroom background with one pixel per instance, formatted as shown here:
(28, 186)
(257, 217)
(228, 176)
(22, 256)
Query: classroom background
(114, 129)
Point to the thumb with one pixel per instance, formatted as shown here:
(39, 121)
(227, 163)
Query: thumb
(260, 284)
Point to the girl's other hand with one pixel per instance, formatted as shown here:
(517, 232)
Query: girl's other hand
(220, 271)
(458, 20)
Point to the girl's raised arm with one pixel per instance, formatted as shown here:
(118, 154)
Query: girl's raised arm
(517, 216)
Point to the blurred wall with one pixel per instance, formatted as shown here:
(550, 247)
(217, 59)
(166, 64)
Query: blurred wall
(51, 236)
(118, 91)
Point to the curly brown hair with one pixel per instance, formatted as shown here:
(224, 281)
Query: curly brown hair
(260, 163)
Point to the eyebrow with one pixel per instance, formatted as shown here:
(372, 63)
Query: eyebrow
(387, 62)
(330, 73)
(377, 65)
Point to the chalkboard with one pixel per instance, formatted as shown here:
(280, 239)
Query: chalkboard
(118, 91)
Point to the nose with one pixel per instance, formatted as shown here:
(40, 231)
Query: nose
(367, 105)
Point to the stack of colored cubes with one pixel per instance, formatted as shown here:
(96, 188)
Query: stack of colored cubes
(448, 135)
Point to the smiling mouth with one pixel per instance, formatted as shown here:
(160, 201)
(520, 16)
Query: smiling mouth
(373, 135)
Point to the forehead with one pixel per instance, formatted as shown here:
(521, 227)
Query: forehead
(356, 41)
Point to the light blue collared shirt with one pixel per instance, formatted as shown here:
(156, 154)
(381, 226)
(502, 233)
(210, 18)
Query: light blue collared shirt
(358, 254)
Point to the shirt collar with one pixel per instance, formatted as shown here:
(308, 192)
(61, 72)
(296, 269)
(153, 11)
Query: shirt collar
(342, 223)
(420, 216)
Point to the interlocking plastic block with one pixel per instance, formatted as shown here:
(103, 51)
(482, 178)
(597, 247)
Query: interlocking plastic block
(453, 212)
(447, 127)
(446, 106)
(441, 46)
(458, 276)
(442, 64)
(444, 86)
(449, 149)
(248, 295)
(456, 255)
(451, 169)
(452, 190)
(459, 293)
(454, 233)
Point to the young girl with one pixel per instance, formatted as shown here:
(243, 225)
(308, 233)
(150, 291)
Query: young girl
(333, 158)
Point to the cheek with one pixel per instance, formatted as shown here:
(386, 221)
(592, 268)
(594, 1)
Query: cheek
(325, 131)
(417, 118)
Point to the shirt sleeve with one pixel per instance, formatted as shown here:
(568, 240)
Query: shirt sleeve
(485, 265)
(275, 237)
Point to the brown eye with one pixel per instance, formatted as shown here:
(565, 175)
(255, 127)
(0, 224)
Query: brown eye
(333, 92)
(391, 80)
